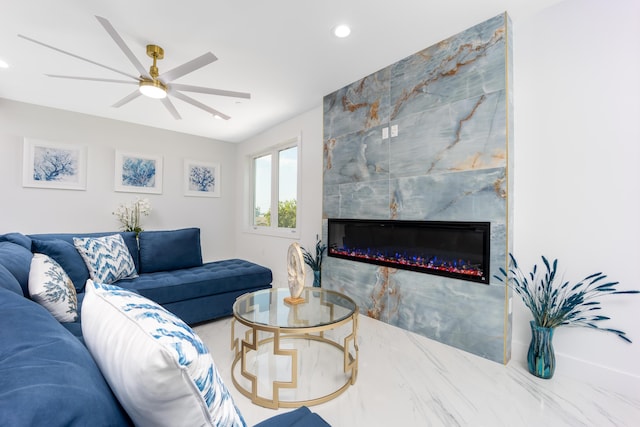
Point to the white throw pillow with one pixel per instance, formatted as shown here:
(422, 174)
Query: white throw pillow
(160, 370)
(51, 287)
(107, 258)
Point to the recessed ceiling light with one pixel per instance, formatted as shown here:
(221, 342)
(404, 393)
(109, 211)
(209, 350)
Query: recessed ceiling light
(341, 31)
(3, 64)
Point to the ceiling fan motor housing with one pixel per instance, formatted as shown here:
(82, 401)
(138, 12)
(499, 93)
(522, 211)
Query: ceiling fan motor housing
(155, 52)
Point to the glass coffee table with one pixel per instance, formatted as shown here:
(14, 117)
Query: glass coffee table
(292, 355)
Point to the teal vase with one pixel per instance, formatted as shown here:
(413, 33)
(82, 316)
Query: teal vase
(541, 357)
(316, 278)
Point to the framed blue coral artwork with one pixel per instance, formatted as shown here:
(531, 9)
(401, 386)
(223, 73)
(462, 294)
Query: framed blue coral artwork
(201, 179)
(49, 164)
(138, 173)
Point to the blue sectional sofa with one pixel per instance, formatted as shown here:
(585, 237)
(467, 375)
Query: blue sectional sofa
(170, 270)
(49, 377)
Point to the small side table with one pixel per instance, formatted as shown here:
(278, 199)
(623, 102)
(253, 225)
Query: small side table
(271, 323)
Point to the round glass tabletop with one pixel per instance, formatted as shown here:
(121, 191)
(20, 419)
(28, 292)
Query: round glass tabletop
(268, 307)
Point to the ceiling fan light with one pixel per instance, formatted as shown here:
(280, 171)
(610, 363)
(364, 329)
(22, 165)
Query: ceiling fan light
(153, 89)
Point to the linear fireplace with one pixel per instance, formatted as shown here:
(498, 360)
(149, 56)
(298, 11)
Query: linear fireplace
(446, 248)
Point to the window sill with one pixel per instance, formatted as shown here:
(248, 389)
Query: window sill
(288, 233)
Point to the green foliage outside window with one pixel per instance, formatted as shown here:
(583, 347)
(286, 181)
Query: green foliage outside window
(286, 214)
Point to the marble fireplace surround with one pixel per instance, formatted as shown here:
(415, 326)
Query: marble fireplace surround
(428, 138)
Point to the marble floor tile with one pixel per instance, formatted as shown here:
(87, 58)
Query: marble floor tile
(405, 379)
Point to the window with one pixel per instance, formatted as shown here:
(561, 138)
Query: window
(262, 190)
(275, 189)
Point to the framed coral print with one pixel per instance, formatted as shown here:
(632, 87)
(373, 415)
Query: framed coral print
(201, 179)
(138, 173)
(52, 165)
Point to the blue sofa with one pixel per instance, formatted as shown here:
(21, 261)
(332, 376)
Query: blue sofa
(170, 267)
(47, 374)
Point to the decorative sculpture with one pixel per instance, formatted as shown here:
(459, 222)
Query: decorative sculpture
(295, 273)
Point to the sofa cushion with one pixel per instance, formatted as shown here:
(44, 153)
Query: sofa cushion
(50, 287)
(76, 327)
(211, 278)
(47, 377)
(8, 281)
(169, 250)
(17, 260)
(161, 371)
(17, 238)
(107, 258)
(129, 238)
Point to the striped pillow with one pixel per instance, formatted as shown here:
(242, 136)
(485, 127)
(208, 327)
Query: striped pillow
(107, 258)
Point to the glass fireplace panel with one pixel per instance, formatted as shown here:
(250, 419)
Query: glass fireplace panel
(454, 249)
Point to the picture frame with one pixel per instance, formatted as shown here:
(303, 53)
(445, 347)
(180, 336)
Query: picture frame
(138, 173)
(201, 179)
(48, 164)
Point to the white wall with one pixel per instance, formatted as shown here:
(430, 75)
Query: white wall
(577, 170)
(272, 251)
(577, 174)
(32, 210)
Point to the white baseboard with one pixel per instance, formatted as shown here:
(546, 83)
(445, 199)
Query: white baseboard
(583, 370)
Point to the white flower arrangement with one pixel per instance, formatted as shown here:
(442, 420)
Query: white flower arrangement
(129, 214)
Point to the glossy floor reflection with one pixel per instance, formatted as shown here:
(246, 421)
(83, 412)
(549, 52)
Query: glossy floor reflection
(408, 380)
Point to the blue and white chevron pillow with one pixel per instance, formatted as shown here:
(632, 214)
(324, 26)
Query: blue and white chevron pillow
(107, 258)
(159, 369)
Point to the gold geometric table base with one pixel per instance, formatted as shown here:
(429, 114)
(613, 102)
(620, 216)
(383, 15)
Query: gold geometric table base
(251, 342)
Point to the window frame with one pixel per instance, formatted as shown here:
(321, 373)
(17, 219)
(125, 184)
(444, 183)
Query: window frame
(274, 151)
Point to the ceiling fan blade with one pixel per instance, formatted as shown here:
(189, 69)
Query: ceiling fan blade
(188, 67)
(78, 57)
(169, 105)
(211, 91)
(93, 79)
(133, 95)
(123, 46)
(200, 105)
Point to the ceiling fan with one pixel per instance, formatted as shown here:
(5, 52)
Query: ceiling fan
(152, 83)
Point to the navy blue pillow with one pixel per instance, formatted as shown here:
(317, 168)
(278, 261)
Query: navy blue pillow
(65, 254)
(48, 376)
(301, 417)
(17, 260)
(169, 250)
(128, 236)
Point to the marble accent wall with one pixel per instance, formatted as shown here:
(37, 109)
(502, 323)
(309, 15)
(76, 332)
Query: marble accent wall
(452, 106)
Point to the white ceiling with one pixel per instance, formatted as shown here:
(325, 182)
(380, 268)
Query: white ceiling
(281, 51)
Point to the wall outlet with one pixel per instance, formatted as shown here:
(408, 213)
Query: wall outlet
(394, 131)
(385, 133)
